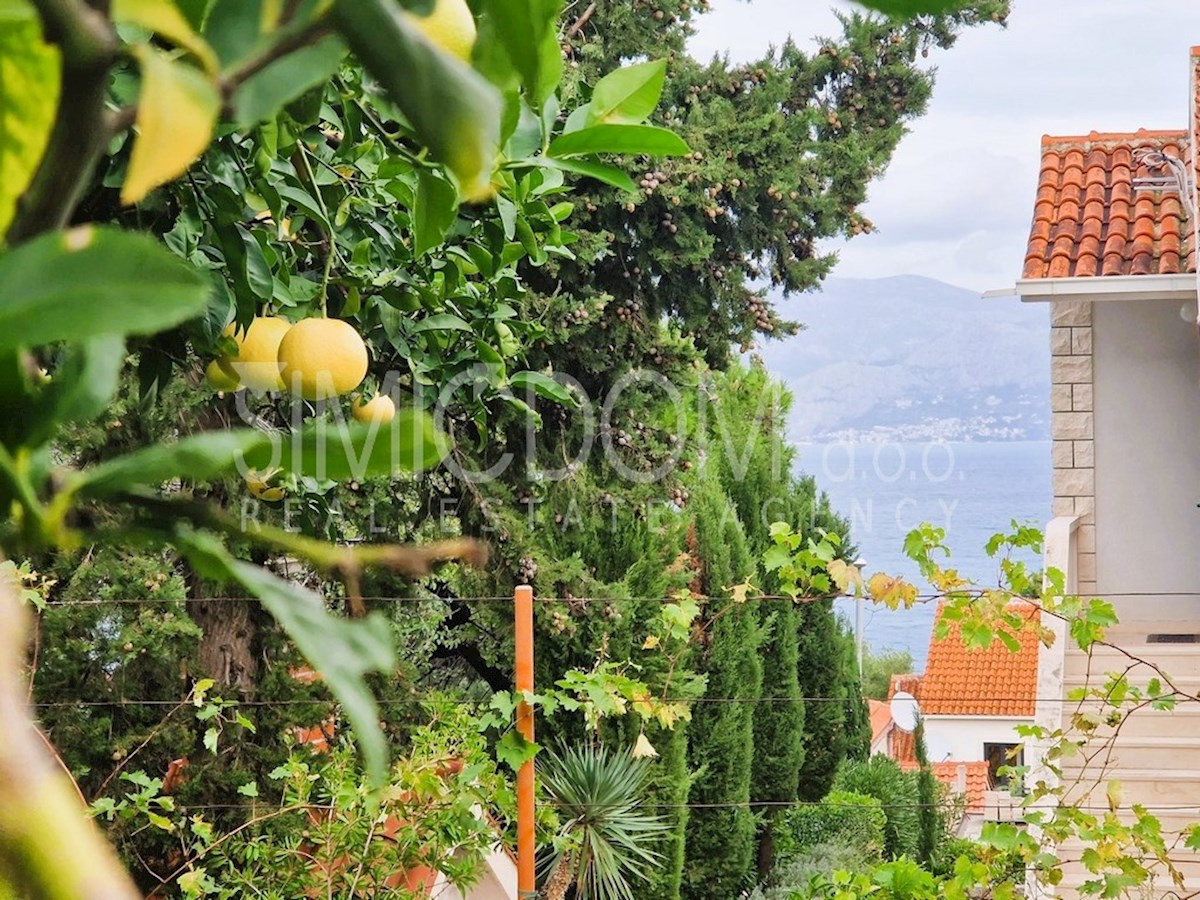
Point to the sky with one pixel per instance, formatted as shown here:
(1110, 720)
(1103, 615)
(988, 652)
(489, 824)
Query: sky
(957, 200)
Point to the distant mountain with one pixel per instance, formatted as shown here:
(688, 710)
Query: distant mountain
(910, 358)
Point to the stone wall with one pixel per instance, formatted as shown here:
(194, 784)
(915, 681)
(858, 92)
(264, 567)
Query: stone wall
(1073, 428)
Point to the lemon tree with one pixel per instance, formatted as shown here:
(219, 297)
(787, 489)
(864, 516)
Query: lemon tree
(254, 145)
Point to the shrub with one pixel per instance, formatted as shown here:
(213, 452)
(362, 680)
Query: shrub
(843, 817)
(896, 790)
(1006, 866)
(795, 875)
(900, 879)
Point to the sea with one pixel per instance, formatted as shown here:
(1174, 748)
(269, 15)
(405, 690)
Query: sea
(970, 489)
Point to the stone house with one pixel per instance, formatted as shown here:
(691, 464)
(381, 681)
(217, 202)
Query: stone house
(1112, 250)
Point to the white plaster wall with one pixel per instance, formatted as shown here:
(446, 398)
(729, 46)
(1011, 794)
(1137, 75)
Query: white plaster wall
(961, 738)
(1147, 448)
(882, 745)
(497, 881)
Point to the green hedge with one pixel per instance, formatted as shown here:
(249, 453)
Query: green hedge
(896, 790)
(843, 817)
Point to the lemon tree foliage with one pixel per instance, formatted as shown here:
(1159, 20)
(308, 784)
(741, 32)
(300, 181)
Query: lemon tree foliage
(313, 194)
(28, 93)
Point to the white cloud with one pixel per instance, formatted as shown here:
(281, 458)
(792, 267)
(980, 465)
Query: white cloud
(956, 202)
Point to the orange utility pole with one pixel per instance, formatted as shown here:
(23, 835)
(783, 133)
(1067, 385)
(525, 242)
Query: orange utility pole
(526, 847)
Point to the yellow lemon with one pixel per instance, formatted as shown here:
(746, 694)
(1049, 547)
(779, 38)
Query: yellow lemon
(450, 26)
(322, 358)
(381, 410)
(257, 363)
(260, 487)
(220, 376)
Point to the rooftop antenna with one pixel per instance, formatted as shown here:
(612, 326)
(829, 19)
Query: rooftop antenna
(1175, 177)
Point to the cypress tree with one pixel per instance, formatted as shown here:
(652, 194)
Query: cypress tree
(778, 725)
(720, 841)
(670, 782)
(928, 820)
(822, 684)
(858, 713)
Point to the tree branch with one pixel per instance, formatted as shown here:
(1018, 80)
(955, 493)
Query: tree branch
(577, 25)
(47, 842)
(469, 653)
(288, 43)
(80, 135)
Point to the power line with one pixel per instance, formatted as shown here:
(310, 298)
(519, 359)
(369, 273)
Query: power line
(434, 700)
(716, 805)
(920, 599)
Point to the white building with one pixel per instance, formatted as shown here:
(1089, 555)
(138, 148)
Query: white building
(1113, 250)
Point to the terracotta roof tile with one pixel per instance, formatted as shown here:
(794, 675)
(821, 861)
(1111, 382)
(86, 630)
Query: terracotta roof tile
(904, 747)
(947, 774)
(881, 718)
(1088, 219)
(991, 682)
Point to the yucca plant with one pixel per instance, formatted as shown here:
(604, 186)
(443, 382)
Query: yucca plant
(605, 837)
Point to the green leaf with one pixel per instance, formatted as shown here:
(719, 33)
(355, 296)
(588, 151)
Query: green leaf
(164, 19)
(525, 27)
(1192, 841)
(159, 821)
(323, 450)
(246, 264)
(249, 789)
(200, 457)
(508, 216)
(543, 386)
(454, 111)
(342, 651)
(73, 285)
(29, 83)
(210, 739)
(1009, 641)
(441, 322)
(306, 204)
(628, 95)
(234, 29)
(264, 93)
(176, 113)
(977, 635)
(602, 172)
(83, 384)
(513, 750)
(625, 139)
(258, 271)
(195, 11)
(910, 9)
(776, 558)
(434, 211)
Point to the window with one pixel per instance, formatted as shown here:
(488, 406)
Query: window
(998, 756)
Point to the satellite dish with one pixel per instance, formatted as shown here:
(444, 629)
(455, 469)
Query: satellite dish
(905, 711)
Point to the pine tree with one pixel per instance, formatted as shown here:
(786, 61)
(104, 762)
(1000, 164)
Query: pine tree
(783, 148)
